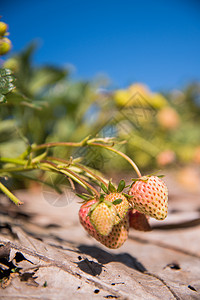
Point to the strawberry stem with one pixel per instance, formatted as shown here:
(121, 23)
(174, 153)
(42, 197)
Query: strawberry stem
(89, 142)
(64, 144)
(73, 176)
(119, 153)
(90, 172)
(84, 168)
(10, 195)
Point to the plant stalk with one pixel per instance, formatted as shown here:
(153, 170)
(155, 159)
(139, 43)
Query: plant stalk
(119, 153)
(10, 195)
(85, 169)
(74, 176)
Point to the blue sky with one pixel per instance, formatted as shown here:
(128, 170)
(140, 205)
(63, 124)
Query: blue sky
(154, 42)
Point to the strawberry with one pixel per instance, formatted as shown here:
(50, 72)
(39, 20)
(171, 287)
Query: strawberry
(103, 216)
(150, 196)
(122, 208)
(138, 221)
(85, 219)
(117, 236)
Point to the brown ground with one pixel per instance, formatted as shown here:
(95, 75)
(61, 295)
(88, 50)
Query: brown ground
(46, 254)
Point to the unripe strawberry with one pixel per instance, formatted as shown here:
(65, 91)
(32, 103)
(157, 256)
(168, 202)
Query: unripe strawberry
(122, 208)
(150, 196)
(138, 221)
(3, 28)
(117, 236)
(103, 217)
(5, 46)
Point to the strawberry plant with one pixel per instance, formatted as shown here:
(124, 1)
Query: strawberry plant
(104, 214)
(46, 125)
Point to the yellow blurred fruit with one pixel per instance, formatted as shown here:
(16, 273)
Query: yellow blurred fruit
(138, 95)
(168, 118)
(12, 64)
(5, 46)
(3, 28)
(158, 101)
(121, 97)
(139, 88)
(135, 95)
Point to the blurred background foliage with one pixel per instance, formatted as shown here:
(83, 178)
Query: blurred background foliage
(161, 129)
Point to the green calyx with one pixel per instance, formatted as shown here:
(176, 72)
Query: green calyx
(85, 197)
(121, 186)
(117, 201)
(146, 177)
(104, 188)
(112, 189)
(102, 200)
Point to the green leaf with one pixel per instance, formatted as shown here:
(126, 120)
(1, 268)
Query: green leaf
(6, 87)
(82, 196)
(6, 83)
(5, 72)
(143, 178)
(45, 76)
(92, 208)
(101, 198)
(2, 99)
(127, 196)
(111, 187)
(117, 201)
(121, 186)
(104, 188)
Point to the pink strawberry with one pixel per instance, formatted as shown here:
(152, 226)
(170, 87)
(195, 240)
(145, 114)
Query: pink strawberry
(150, 197)
(85, 219)
(138, 221)
(103, 217)
(117, 236)
(122, 208)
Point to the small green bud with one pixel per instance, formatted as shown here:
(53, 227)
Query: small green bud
(3, 28)
(5, 46)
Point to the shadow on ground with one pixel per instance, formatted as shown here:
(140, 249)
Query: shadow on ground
(103, 257)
